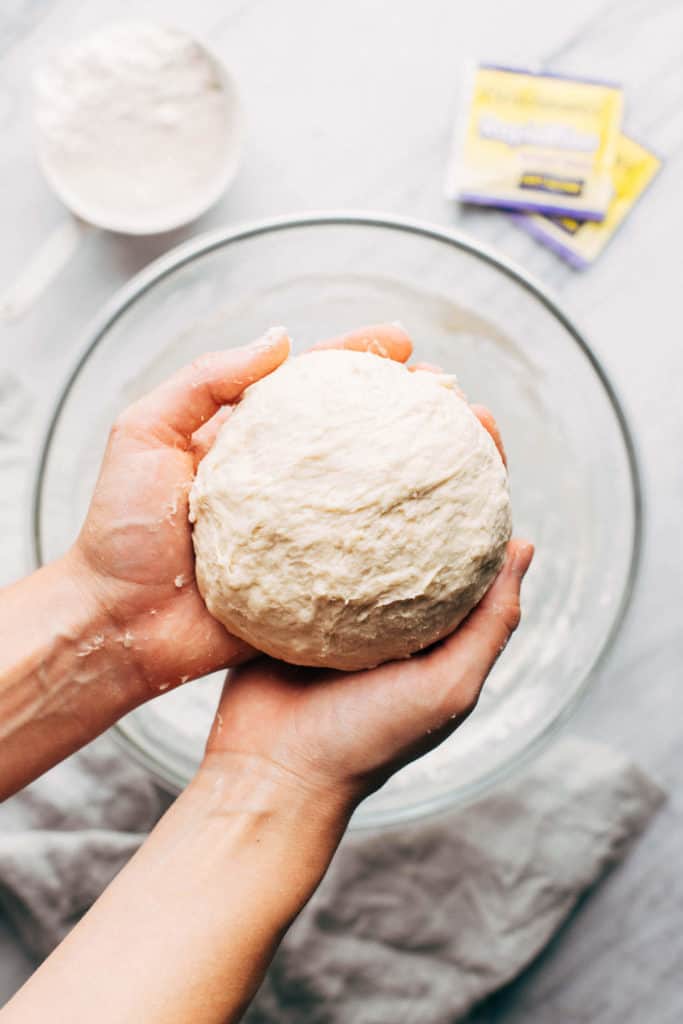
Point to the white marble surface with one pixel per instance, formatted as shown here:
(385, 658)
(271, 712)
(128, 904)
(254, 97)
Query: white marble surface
(349, 105)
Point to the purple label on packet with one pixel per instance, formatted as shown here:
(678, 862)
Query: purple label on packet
(532, 207)
(532, 228)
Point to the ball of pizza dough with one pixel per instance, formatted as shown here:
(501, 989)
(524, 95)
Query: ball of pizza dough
(350, 512)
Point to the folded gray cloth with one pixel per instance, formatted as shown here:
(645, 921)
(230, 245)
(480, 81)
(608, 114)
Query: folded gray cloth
(412, 924)
(64, 837)
(422, 922)
(416, 923)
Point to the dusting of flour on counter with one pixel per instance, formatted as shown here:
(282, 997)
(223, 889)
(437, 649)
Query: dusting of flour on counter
(138, 127)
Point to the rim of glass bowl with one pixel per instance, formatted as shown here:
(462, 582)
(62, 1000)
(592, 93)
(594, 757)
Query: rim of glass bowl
(126, 296)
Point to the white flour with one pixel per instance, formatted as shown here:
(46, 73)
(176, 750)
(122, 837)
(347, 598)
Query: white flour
(138, 127)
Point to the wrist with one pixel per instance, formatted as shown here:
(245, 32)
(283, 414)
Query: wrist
(98, 637)
(63, 675)
(231, 779)
(250, 807)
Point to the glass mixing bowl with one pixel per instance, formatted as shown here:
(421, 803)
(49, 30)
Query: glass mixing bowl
(573, 475)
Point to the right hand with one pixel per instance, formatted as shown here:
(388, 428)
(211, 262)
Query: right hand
(338, 735)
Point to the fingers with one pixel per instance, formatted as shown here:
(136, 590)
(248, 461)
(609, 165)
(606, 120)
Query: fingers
(203, 439)
(487, 420)
(181, 405)
(465, 659)
(388, 340)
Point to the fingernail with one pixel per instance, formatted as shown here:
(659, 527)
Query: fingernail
(269, 340)
(376, 348)
(522, 558)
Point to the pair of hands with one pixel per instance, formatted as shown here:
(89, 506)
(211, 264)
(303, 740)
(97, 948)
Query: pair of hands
(320, 730)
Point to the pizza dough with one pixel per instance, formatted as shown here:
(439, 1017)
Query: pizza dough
(349, 513)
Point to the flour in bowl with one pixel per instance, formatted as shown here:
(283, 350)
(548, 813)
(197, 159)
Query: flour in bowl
(139, 127)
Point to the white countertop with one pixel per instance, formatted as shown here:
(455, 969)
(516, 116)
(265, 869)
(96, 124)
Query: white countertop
(349, 106)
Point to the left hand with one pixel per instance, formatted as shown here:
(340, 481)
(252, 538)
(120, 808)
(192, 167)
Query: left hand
(134, 555)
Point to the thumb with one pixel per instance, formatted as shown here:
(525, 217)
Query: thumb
(179, 406)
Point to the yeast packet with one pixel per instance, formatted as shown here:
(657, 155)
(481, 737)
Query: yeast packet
(535, 141)
(581, 242)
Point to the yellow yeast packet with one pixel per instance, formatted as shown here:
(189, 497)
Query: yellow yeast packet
(536, 141)
(579, 243)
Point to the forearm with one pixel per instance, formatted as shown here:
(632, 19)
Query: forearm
(66, 672)
(186, 931)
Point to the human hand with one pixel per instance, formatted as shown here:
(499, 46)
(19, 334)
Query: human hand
(341, 735)
(134, 555)
(292, 750)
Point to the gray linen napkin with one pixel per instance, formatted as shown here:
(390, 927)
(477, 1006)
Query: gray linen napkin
(412, 924)
(416, 923)
(65, 836)
(422, 922)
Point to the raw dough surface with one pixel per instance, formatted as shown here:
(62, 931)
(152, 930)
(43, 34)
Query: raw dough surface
(350, 512)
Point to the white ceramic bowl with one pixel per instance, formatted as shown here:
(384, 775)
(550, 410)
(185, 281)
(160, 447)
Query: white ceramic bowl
(91, 199)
